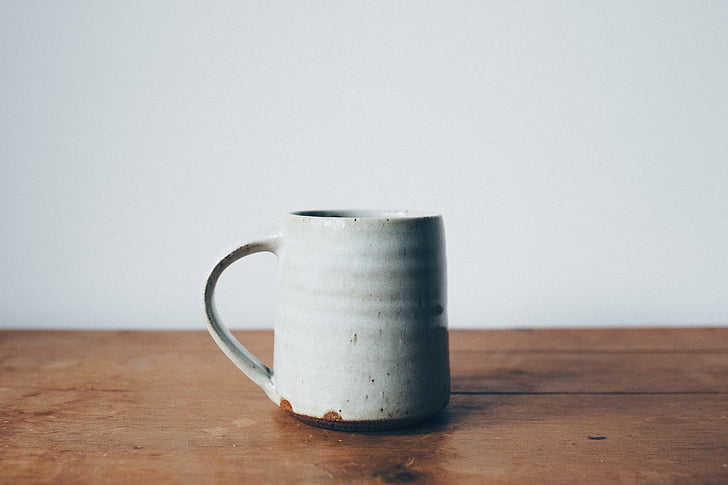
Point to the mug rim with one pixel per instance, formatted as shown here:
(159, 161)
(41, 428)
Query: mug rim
(355, 214)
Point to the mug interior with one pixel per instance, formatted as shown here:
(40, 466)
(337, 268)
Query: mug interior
(366, 214)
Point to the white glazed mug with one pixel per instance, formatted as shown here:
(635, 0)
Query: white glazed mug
(361, 337)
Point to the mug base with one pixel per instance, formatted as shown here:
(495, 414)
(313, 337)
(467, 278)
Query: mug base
(333, 421)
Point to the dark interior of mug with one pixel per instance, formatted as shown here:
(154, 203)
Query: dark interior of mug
(364, 214)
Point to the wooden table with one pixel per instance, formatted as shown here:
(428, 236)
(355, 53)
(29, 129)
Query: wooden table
(541, 406)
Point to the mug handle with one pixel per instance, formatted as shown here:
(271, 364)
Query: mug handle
(251, 366)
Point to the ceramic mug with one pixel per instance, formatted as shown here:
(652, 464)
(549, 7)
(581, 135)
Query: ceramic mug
(361, 337)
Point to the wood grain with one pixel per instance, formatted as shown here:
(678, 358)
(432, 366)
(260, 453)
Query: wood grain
(548, 406)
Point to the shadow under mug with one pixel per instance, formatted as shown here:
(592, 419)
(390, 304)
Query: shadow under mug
(361, 337)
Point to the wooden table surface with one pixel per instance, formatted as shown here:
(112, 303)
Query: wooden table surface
(539, 406)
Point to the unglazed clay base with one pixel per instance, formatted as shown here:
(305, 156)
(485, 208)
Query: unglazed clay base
(332, 420)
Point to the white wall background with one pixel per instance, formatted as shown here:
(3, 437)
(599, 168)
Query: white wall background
(577, 150)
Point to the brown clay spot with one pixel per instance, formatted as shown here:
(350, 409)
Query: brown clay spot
(333, 416)
(286, 406)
